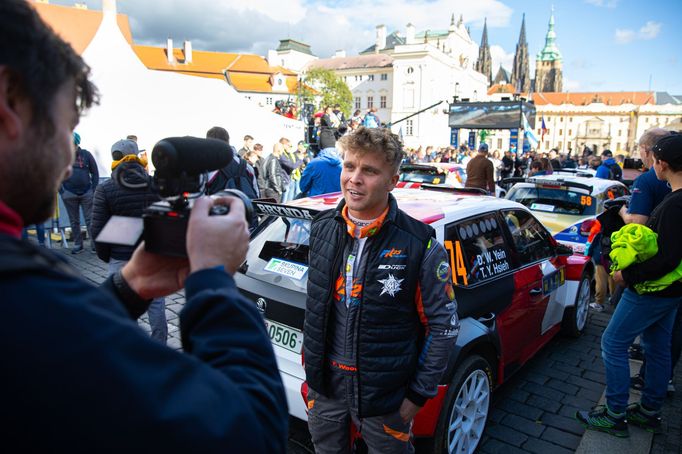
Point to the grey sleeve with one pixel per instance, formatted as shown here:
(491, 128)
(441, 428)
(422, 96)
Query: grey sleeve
(437, 310)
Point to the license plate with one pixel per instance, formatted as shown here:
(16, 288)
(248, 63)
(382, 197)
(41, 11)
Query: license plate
(284, 336)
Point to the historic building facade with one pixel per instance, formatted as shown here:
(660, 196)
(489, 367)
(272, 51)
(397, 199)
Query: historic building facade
(548, 74)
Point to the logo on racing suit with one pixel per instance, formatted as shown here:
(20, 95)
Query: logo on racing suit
(392, 267)
(391, 285)
(393, 253)
(443, 271)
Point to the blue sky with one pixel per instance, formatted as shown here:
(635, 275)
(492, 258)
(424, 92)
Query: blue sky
(607, 45)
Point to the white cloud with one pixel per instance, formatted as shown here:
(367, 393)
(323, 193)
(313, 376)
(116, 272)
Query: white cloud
(500, 57)
(650, 30)
(258, 25)
(603, 3)
(624, 36)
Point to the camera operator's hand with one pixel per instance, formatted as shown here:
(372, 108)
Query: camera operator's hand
(217, 240)
(153, 276)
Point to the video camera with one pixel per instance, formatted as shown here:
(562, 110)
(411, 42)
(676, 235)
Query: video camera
(182, 165)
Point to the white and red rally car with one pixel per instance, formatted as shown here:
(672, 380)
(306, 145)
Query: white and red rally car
(515, 286)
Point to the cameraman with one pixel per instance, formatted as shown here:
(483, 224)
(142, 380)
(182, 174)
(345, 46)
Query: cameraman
(79, 375)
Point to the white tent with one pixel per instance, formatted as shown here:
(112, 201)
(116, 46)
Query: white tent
(154, 104)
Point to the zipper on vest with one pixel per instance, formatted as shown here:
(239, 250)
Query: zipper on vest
(327, 307)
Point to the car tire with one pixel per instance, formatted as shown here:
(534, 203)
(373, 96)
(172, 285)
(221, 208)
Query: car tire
(575, 317)
(465, 412)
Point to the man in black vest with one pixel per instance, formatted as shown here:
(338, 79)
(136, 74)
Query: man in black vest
(380, 314)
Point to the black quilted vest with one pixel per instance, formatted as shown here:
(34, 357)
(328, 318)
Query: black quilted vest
(389, 334)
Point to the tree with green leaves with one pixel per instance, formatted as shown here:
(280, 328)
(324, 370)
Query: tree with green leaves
(324, 86)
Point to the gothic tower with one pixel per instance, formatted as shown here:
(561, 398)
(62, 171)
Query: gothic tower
(548, 75)
(520, 77)
(484, 64)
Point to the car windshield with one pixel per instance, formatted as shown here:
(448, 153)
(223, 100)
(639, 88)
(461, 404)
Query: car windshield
(554, 200)
(431, 176)
(278, 253)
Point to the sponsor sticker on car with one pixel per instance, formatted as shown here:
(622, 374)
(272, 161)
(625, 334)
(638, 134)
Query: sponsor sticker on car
(289, 269)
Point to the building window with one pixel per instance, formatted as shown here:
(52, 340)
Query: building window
(358, 102)
(559, 145)
(499, 144)
(370, 77)
(408, 127)
(618, 146)
(570, 132)
(410, 70)
(570, 119)
(370, 102)
(382, 102)
(268, 101)
(561, 131)
(539, 131)
(561, 118)
(384, 77)
(620, 131)
(547, 144)
(570, 146)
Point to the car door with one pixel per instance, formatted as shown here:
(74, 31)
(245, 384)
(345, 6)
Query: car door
(536, 281)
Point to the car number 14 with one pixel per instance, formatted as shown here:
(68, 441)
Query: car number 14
(284, 336)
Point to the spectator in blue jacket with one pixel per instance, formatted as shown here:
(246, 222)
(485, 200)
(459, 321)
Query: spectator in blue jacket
(79, 374)
(323, 174)
(609, 168)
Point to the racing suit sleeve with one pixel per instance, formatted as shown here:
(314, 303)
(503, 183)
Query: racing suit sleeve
(437, 308)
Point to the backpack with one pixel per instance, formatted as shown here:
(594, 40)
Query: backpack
(615, 172)
(235, 175)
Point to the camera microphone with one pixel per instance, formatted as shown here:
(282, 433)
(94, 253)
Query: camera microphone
(190, 155)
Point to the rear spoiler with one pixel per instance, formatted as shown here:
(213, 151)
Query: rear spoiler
(288, 211)
(441, 188)
(538, 180)
(576, 172)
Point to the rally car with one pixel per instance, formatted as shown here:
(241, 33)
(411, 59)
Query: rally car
(447, 174)
(565, 203)
(515, 287)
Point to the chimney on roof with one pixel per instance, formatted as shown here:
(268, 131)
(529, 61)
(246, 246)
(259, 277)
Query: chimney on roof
(409, 34)
(340, 54)
(381, 38)
(169, 51)
(109, 6)
(187, 47)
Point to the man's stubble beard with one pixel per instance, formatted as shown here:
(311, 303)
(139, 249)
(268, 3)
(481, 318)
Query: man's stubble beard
(30, 179)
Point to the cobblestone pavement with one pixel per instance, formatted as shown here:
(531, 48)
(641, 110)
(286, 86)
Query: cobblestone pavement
(531, 413)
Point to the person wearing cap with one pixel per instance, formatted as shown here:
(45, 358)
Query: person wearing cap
(480, 171)
(648, 314)
(77, 192)
(127, 193)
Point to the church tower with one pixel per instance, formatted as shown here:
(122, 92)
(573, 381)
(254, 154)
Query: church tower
(548, 77)
(520, 77)
(484, 63)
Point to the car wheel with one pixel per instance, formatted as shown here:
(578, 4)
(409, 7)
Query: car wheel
(575, 317)
(465, 412)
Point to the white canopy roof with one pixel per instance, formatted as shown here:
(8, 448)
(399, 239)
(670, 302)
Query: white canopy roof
(154, 104)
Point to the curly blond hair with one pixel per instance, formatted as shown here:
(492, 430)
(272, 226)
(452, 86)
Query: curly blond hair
(375, 140)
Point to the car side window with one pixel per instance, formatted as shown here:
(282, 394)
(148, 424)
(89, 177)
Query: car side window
(531, 240)
(477, 249)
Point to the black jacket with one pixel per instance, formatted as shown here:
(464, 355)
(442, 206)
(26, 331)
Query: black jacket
(84, 176)
(275, 178)
(127, 193)
(79, 375)
(403, 336)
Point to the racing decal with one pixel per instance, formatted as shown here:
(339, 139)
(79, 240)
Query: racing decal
(492, 262)
(553, 281)
(456, 262)
(393, 253)
(450, 291)
(340, 293)
(287, 211)
(391, 285)
(443, 271)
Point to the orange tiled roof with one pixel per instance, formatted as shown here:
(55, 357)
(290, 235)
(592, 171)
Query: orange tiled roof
(77, 26)
(247, 72)
(615, 98)
(501, 88)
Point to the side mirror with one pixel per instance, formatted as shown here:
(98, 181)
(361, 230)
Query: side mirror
(586, 226)
(563, 251)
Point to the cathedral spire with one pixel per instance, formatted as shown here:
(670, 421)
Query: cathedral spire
(548, 72)
(520, 77)
(484, 62)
